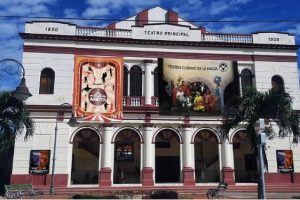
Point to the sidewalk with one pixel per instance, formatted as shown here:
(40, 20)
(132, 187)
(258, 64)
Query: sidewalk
(228, 195)
(243, 195)
(270, 195)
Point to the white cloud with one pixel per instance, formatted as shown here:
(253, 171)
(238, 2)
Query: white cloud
(7, 30)
(217, 7)
(102, 8)
(207, 8)
(95, 12)
(70, 13)
(295, 30)
(26, 7)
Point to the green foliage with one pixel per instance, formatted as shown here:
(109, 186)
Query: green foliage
(270, 105)
(14, 120)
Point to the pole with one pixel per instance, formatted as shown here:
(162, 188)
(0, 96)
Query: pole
(261, 181)
(53, 158)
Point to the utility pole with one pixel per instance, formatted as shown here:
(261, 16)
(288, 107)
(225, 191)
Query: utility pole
(261, 142)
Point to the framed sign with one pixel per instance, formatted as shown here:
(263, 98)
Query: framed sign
(285, 162)
(98, 83)
(124, 151)
(39, 162)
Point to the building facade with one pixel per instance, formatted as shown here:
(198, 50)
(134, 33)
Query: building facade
(146, 148)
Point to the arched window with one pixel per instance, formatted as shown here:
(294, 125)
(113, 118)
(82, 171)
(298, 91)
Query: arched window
(246, 79)
(277, 83)
(125, 82)
(136, 81)
(47, 81)
(155, 74)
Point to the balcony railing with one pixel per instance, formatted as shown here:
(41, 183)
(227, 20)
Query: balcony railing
(124, 33)
(100, 32)
(133, 101)
(138, 101)
(230, 38)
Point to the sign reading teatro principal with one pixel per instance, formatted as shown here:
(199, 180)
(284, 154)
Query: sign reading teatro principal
(166, 32)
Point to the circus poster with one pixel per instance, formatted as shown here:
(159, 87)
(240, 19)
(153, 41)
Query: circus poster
(97, 84)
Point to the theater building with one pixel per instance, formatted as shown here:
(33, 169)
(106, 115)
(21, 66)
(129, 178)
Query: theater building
(139, 91)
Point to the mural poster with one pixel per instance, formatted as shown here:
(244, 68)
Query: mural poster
(39, 162)
(98, 88)
(196, 87)
(285, 163)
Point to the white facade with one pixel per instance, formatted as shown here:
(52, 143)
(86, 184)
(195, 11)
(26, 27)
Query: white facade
(54, 45)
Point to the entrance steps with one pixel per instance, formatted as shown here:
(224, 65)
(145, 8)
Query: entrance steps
(137, 190)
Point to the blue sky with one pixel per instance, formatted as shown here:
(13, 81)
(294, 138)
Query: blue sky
(11, 43)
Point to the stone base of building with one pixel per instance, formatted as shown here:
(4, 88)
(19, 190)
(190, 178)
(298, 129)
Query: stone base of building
(188, 176)
(148, 176)
(228, 175)
(282, 178)
(39, 180)
(105, 177)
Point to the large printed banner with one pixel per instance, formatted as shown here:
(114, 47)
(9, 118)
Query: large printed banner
(285, 163)
(196, 87)
(39, 162)
(98, 88)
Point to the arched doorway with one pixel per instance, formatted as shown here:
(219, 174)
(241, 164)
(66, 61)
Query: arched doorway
(85, 157)
(207, 163)
(167, 157)
(245, 163)
(127, 165)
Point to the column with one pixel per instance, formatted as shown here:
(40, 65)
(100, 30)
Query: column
(188, 170)
(148, 156)
(106, 158)
(148, 84)
(228, 171)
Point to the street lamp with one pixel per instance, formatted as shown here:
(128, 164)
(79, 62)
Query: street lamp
(261, 142)
(72, 122)
(12, 67)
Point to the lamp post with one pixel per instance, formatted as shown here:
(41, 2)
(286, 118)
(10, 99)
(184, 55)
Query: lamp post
(12, 67)
(72, 122)
(260, 142)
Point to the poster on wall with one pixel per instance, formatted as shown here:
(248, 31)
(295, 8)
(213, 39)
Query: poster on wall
(285, 163)
(124, 151)
(39, 162)
(98, 88)
(196, 87)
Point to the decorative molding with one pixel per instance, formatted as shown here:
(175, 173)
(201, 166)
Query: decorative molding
(151, 54)
(155, 42)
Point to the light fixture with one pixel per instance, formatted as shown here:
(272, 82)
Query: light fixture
(72, 122)
(7, 65)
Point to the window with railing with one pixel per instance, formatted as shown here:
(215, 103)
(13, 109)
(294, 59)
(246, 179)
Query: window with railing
(136, 81)
(47, 81)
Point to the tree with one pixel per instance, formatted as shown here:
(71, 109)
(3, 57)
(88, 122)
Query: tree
(14, 119)
(274, 105)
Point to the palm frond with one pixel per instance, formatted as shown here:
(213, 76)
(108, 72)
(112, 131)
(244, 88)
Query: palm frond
(14, 120)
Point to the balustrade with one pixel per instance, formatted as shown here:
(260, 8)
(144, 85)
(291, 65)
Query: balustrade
(123, 33)
(101, 32)
(228, 38)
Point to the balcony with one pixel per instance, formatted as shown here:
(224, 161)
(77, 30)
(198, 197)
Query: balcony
(130, 101)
